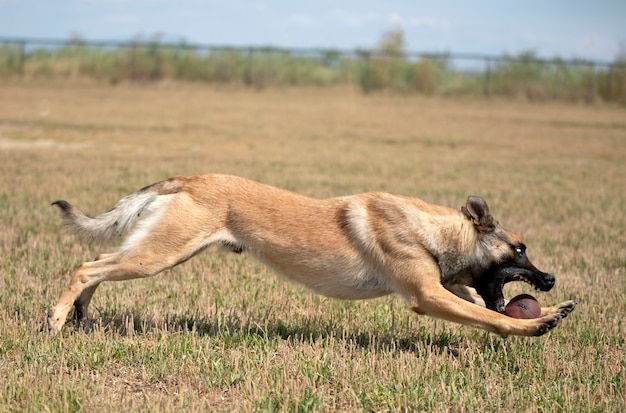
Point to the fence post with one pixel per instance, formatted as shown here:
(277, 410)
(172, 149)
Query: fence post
(487, 85)
(248, 70)
(133, 61)
(365, 75)
(21, 60)
(593, 88)
(609, 81)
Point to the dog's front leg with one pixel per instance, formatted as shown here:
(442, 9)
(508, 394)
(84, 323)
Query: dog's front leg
(564, 307)
(426, 295)
(440, 303)
(466, 293)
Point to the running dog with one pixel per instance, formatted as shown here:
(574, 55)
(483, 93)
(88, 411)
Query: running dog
(446, 263)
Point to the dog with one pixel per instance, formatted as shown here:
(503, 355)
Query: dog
(446, 263)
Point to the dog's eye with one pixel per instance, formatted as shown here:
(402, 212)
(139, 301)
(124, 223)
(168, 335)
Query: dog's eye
(519, 251)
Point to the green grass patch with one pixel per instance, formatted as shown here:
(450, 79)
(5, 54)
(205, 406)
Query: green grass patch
(221, 333)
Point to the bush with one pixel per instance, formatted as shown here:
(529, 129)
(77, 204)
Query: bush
(388, 68)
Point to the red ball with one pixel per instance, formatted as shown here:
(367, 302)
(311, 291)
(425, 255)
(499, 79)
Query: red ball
(523, 306)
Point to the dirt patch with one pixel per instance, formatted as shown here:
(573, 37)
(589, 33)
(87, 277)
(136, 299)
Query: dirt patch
(13, 144)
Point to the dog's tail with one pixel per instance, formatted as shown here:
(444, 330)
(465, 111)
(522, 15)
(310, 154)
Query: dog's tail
(120, 218)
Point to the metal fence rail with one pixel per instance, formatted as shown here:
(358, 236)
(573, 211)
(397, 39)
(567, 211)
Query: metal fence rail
(408, 71)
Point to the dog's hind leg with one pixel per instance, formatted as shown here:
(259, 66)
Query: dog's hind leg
(88, 277)
(136, 263)
(149, 251)
(83, 300)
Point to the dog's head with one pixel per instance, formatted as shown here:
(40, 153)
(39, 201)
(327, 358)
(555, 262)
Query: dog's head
(505, 254)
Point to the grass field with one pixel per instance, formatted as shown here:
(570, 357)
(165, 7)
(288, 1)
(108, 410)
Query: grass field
(220, 333)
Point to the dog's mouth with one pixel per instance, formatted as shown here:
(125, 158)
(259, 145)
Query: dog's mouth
(491, 289)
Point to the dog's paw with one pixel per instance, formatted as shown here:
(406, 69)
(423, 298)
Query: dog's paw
(547, 323)
(566, 307)
(55, 320)
(559, 312)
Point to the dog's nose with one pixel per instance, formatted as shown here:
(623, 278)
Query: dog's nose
(549, 281)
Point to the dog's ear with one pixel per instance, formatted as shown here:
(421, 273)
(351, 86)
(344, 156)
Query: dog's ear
(477, 211)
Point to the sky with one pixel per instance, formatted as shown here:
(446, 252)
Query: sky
(551, 28)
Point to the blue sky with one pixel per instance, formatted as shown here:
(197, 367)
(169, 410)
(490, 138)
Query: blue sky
(566, 28)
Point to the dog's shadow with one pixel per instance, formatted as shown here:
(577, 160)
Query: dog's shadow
(234, 329)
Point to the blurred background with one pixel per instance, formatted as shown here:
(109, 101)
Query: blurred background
(565, 50)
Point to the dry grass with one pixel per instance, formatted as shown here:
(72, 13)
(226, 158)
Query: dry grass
(221, 334)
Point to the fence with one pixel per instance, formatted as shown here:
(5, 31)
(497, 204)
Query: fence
(410, 72)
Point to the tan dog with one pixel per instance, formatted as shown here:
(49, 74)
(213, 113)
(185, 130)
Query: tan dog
(442, 261)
